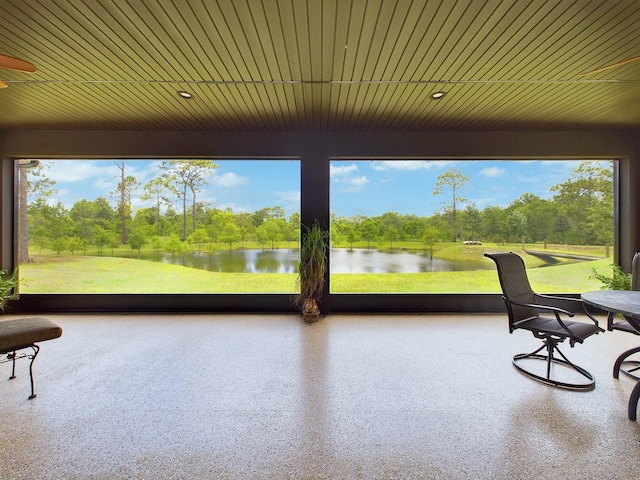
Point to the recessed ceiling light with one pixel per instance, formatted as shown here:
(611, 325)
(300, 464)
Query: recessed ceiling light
(437, 95)
(185, 94)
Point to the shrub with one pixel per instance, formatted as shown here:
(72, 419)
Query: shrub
(619, 280)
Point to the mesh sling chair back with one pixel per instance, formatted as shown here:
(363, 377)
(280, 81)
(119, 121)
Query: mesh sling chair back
(615, 322)
(544, 321)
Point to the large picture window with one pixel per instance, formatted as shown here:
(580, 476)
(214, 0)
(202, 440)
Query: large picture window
(158, 226)
(422, 226)
(233, 226)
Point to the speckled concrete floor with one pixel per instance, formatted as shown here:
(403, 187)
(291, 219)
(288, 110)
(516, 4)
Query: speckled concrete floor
(269, 397)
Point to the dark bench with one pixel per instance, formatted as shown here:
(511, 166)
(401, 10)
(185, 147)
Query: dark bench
(23, 333)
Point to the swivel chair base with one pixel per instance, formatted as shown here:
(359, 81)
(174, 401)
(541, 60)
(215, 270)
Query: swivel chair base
(627, 366)
(550, 359)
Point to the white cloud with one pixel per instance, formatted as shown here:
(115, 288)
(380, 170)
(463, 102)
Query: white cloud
(492, 172)
(410, 164)
(346, 175)
(61, 196)
(229, 180)
(358, 181)
(354, 184)
(290, 198)
(80, 170)
(530, 178)
(342, 171)
(105, 184)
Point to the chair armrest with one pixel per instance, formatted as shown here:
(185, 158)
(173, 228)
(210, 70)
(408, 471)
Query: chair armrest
(549, 308)
(570, 299)
(555, 297)
(556, 311)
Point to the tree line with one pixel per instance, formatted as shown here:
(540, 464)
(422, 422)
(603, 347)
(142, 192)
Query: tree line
(580, 212)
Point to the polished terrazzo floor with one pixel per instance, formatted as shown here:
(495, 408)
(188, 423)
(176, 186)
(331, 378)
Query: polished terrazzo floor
(270, 397)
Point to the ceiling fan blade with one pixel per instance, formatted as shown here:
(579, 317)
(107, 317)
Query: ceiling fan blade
(3, 85)
(13, 63)
(613, 65)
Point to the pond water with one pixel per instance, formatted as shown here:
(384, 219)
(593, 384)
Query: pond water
(235, 261)
(343, 260)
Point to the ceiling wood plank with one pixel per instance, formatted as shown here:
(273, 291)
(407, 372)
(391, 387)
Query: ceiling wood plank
(278, 65)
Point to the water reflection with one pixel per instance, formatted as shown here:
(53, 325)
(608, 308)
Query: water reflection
(235, 261)
(343, 260)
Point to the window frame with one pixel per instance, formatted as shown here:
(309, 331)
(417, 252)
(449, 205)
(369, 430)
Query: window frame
(314, 186)
(281, 171)
(360, 169)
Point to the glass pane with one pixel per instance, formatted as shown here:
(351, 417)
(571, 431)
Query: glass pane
(404, 226)
(159, 226)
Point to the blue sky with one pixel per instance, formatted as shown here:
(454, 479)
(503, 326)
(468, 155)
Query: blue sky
(359, 187)
(243, 186)
(374, 187)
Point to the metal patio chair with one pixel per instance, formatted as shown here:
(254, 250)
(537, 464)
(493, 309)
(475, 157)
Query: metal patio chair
(544, 321)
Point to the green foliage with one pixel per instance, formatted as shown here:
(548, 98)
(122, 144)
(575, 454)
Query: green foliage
(272, 229)
(8, 287)
(579, 213)
(516, 224)
(619, 280)
(586, 200)
(313, 260)
(136, 240)
(230, 234)
(182, 175)
(173, 244)
(200, 236)
(391, 235)
(452, 180)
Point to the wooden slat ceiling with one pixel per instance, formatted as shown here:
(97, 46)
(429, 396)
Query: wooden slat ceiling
(321, 65)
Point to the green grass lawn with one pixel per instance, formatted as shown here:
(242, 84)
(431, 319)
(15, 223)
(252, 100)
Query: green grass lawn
(569, 278)
(85, 274)
(125, 275)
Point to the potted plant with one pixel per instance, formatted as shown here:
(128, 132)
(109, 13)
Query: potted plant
(311, 270)
(8, 287)
(619, 280)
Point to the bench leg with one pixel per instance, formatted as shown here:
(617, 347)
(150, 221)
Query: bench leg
(12, 356)
(36, 349)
